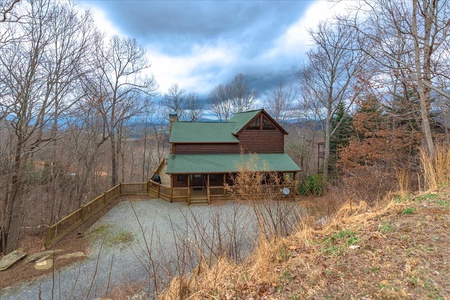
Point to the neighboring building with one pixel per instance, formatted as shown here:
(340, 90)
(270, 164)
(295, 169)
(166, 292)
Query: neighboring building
(204, 155)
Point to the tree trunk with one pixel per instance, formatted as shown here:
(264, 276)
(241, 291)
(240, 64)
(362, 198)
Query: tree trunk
(422, 77)
(114, 177)
(144, 155)
(55, 201)
(14, 206)
(326, 147)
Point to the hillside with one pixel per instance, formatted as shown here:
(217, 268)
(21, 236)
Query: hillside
(399, 250)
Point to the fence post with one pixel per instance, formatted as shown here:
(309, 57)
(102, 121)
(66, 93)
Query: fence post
(82, 212)
(50, 235)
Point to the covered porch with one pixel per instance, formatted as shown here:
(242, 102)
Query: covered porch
(201, 179)
(197, 189)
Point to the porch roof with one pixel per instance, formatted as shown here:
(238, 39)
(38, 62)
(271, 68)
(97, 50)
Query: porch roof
(229, 163)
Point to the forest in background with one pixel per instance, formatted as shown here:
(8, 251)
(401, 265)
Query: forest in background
(373, 90)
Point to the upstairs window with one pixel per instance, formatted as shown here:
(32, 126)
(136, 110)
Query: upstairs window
(255, 125)
(267, 125)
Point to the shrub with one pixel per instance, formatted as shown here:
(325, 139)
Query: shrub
(313, 185)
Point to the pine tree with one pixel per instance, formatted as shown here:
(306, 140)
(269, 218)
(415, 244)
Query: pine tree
(342, 124)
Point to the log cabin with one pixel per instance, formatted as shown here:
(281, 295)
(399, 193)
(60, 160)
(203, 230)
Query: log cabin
(204, 156)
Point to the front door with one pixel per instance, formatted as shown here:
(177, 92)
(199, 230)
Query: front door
(197, 181)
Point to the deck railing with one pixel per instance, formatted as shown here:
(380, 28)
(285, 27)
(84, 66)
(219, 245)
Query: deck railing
(63, 227)
(181, 194)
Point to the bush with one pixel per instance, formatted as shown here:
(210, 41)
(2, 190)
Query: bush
(313, 185)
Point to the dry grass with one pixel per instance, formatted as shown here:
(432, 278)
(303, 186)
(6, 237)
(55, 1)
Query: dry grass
(404, 182)
(400, 250)
(436, 170)
(397, 249)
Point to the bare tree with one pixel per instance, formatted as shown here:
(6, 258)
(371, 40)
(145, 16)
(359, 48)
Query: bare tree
(38, 69)
(175, 100)
(330, 76)
(147, 118)
(68, 59)
(156, 142)
(220, 103)
(194, 107)
(240, 94)
(116, 88)
(280, 102)
(232, 98)
(422, 28)
(85, 137)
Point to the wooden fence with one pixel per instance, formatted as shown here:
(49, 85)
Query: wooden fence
(133, 188)
(60, 229)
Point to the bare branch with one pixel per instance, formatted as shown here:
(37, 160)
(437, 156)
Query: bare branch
(8, 10)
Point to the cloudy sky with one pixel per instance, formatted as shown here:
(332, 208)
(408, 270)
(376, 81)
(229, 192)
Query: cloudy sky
(200, 44)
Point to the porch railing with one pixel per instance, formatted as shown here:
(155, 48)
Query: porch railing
(180, 194)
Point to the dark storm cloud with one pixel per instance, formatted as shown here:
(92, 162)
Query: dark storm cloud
(176, 25)
(182, 31)
(263, 83)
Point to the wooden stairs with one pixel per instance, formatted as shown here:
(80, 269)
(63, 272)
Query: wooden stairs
(198, 197)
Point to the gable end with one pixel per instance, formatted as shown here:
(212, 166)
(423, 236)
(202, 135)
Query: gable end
(261, 116)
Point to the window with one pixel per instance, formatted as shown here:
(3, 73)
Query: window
(254, 125)
(267, 125)
(230, 179)
(181, 177)
(213, 177)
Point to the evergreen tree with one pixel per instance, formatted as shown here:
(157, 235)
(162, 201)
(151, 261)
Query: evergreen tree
(343, 121)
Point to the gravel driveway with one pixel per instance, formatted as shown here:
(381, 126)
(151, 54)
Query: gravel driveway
(139, 241)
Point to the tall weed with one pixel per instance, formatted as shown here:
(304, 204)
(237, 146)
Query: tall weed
(436, 169)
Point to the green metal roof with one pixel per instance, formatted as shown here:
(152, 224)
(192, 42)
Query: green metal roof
(241, 119)
(210, 132)
(202, 132)
(228, 163)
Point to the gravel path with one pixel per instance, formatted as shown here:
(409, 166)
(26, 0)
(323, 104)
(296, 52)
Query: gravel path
(136, 233)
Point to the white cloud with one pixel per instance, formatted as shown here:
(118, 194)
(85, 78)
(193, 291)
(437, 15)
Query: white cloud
(296, 38)
(198, 71)
(101, 20)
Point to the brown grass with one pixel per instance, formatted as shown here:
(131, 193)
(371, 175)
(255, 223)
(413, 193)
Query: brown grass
(397, 249)
(404, 182)
(400, 250)
(436, 170)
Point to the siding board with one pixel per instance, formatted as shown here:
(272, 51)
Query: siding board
(206, 148)
(262, 141)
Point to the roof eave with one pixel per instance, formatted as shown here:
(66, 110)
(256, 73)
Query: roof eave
(190, 142)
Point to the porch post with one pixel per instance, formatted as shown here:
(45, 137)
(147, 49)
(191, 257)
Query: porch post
(208, 192)
(224, 182)
(189, 189)
(171, 188)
